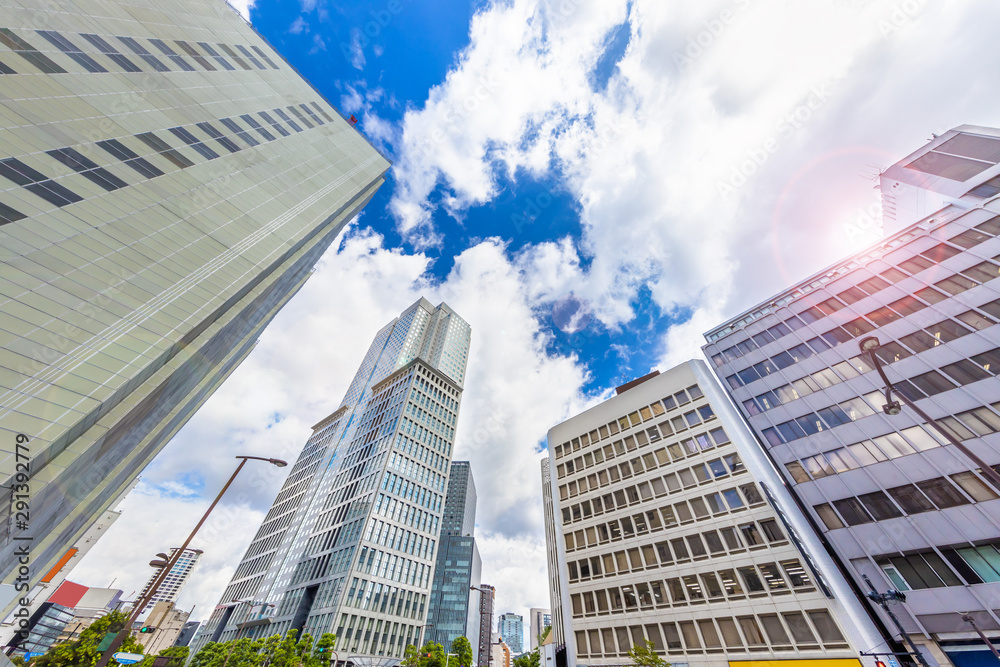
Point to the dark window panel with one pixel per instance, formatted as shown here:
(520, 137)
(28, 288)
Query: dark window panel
(911, 499)
(965, 372)
(882, 316)
(891, 352)
(975, 320)
(311, 113)
(851, 295)
(991, 226)
(249, 56)
(164, 149)
(989, 360)
(919, 341)
(264, 57)
(170, 53)
(275, 124)
(879, 506)
(70, 49)
(763, 338)
(28, 52)
(969, 238)
(226, 142)
(779, 330)
(982, 272)
(54, 193)
(9, 215)
(800, 352)
(811, 315)
(932, 383)
(916, 264)
(284, 117)
(852, 511)
(907, 305)
(859, 327)
(873, 285)
(947, 331)
(137, 48)
(940, 252)
(836, 336)
(232, 54)
(193, 142)
(301, 118)
(322, 113)
(893, 275)
(233, 126)
(942, 493)
(193, 52)
(129, 157)
(20, 173)
(212, 52)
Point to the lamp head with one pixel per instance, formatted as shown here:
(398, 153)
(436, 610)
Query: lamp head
(869, 344)
(278, 462)
(157, 563)
(892, 409)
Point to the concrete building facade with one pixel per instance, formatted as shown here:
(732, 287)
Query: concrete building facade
(167, 184)
(487, 600)
(349, 544)
(674, 528)
(893, 499)
(553, 536)
(171, 586)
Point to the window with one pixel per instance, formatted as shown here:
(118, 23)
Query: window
(771, 530)
(931, 383)
(130, 157)
(751, 493)
(714, 542)
(801, 632)
(916, 264)
(112, 53)
(942, 493)
(911, 499)
(751, 580)
(879, 505)
(87, 168)
(796, 573)
(751, 535)
(853, 511)
(977, 489)
(773, 577)
(751, 630)
(965, 372)
(71, 50)
(732, 541)
(976, 320)
(984, 561)
(36, 182)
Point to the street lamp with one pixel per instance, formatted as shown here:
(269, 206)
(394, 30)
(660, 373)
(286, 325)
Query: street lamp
(167, 563)
(870, 346)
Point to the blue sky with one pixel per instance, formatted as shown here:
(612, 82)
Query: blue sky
(592, 184)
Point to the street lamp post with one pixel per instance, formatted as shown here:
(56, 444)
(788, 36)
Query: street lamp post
(869, 346)
(166, 564)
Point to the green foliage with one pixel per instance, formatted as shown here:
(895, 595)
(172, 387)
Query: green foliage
(83, 652)
(179, 653)
(545, 634)
(17, 660)
(273, 651)
(645, 656)
(462, 649)
(411, 657)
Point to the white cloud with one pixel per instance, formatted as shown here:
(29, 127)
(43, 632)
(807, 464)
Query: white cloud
(299, 26)
(243, 7)
(356, 51)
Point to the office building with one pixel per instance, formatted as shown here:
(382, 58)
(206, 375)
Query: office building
(187, 633)
(171, 585)
(511, 628)
(484, 650)
(166, 622)
(458, 566)
(553, 536)
(539, 620)
(893, 499)
(502, 655)
(349, 544)
(673, 528)
(167, 183)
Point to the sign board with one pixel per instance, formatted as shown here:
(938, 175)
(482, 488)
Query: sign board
(128, 658)
(29, 656)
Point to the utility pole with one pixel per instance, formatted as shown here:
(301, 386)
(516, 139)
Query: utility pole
(883, 600)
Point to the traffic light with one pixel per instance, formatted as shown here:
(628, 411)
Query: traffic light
(879, 663)
(146, 629)
(321, 649)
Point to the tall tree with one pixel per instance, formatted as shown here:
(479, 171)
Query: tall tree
(411, 657)
(645, 656)
(432, 655)
(462, 649)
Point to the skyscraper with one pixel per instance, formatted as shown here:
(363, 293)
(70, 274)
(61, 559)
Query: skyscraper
(487, 598)
(458, 566)
(673, 528)
(553, 536)
(895, 501)
(511, 628)
(167, 183)
(171, 586)
(349, 544)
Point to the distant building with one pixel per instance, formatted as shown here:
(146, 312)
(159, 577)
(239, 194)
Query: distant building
(538, 621)
(511, 628)
(65, 614)
(457, 567)
(487, 597)
(171, 586)
(502, 654)
(553, 536)
(187, 633)
(167, 623)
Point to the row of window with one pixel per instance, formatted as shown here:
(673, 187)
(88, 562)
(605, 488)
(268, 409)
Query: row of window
(783, 633)
(204, 58)
(674, 451)
(679, 513)
(867, 283)
(963, 426)
(393, 567)
(752, 581)
(630, 420)
(369, 636)
(928, 495)
(397, 510)
(961, 373)
(399, 539)
(700, 473)
(410, 468)
(57, 194)
(974, 564)
(680, 550)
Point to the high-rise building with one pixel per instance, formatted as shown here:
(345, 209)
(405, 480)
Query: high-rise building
(502, 654)
(675, 529)
(538, 621)
(349, 544)
(487, 599)
(171, 585)
(187, 633)
(165, 622)
(167, 183)
(553, 536)
(458, 566)
(511, 628)
(894, 500)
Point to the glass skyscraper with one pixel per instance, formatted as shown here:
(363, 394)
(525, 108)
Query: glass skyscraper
(167, 183)
(349, 544)
(458, 566)
(511, 628)
(893, 498)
